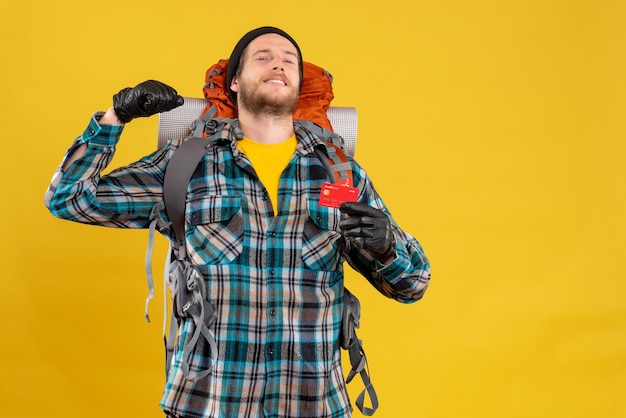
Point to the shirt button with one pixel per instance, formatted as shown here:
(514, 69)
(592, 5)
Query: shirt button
(271, 272)
(272, 234)
(270, 351)
(272, 313)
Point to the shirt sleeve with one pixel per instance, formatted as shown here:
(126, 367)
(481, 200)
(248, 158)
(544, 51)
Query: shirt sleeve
(124, 198)
(407, 276)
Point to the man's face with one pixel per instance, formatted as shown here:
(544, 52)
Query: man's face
(268, 78)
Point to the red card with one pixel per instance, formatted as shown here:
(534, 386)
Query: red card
(333, 195)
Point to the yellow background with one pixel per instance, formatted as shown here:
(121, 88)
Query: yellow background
(494, 130)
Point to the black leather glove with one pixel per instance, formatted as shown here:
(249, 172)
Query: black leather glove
(368, 228)
(145, 99)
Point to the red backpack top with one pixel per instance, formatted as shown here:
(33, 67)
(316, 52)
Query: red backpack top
(315, 95)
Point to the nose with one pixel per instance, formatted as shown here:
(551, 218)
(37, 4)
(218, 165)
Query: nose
(277, 64)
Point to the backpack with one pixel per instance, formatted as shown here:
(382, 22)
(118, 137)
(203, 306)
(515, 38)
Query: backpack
(184, 279)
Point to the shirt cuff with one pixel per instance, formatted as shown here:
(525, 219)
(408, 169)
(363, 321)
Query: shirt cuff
(397, 267)
(104, 135)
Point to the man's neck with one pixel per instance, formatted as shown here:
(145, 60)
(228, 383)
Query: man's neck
(265, 129)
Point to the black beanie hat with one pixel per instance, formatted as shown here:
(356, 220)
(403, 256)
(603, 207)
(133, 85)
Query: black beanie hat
(235, 56)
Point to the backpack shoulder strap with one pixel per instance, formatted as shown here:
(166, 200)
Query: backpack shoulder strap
(339, 171)
(340, 168)
(186, 283)
(177, 176)
(331, 155)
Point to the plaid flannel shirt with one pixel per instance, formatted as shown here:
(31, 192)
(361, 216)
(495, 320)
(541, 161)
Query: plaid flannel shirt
(275, 277)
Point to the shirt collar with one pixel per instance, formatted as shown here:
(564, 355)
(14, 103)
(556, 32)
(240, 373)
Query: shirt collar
(306, 134)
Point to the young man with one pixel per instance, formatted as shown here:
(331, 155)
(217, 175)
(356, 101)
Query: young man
(270, 254)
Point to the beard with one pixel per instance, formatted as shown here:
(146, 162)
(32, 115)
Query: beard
(258, 102)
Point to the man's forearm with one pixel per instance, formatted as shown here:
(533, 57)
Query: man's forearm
(109, 118)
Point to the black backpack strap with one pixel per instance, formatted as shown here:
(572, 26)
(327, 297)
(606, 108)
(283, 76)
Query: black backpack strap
(177, 176)
(339, 170)
(186, 283)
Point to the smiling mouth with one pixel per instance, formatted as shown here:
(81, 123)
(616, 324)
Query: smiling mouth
(277, 82)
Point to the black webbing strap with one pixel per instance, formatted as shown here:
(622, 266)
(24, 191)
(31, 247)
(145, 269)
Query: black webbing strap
(189, 297)
(358, 361)
(349, 341)
(177, 176)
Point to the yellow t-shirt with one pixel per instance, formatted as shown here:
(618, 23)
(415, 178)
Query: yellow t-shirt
(269, 161)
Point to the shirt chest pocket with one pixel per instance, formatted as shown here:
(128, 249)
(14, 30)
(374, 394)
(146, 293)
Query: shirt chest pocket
(215, 229)
(321, 237)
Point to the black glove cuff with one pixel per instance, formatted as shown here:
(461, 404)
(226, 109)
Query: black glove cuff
(390, 254)
(118, 106)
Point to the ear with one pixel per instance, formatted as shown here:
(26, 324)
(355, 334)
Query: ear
(234, 85)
